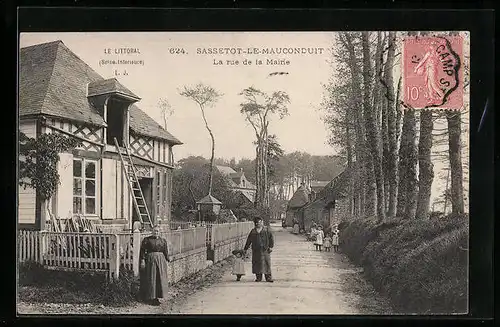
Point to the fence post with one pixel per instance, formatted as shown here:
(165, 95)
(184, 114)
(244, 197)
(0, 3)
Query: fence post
(194, 238)
(43, 246)
(114, 265)
(136, 248)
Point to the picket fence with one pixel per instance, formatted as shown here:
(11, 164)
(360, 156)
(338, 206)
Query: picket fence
(114, 252)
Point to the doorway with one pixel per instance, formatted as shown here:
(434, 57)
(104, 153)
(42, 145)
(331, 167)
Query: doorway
(146, 184)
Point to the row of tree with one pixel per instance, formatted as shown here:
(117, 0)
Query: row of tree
(388, 148)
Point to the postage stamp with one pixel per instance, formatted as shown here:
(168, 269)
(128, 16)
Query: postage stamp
(433, 72)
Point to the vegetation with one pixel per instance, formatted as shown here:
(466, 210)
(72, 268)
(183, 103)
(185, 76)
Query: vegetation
(38, 284)
(422, 266)
(205, 97)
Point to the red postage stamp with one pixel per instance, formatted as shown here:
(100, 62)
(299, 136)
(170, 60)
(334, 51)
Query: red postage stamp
(433, 73)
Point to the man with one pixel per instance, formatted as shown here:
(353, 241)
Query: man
(262, 241)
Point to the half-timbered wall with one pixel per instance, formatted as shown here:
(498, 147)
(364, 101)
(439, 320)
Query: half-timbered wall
(150, 148)
(92, 133)
(27, 196)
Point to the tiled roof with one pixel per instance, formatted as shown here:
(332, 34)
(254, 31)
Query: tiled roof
(209, 199)
(107, 86)
(53, 81)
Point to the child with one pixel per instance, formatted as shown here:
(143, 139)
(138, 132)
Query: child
(319, 238)
(335, 240)
(328, 242)
(239, 264)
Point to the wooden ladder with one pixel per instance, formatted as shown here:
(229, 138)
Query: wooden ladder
(134, 186)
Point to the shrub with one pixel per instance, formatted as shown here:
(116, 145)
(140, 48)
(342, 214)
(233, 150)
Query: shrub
(54, 286)
(420, 265)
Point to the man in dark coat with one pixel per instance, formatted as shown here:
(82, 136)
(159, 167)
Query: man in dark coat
(262, 241)
(153, 258)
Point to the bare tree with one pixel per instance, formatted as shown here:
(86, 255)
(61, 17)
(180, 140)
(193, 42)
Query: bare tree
(166, 110)
(205, 97)
(258, 109)
(373, 133)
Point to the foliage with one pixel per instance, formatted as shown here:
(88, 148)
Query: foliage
(43, 285)
(189, 181)
(420, 265)
(38, 161)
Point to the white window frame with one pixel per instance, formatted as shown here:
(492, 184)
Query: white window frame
(83, 196)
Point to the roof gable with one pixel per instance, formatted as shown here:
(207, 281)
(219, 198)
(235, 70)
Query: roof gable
(54, 81)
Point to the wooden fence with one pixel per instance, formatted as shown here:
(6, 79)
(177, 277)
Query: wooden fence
(113, 252)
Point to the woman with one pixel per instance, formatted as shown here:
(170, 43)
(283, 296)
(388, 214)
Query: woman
(154, 257)
(295, 227)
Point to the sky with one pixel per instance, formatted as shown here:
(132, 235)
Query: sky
(163, 74)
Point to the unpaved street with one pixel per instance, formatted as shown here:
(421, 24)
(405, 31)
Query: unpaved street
(306, 282)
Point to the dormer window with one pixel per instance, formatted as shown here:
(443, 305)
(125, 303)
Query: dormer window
(116, 118)
(112, 100)
(243, 182)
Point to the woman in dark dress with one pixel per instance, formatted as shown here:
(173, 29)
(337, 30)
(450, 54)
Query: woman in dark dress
(154, 257)
(262, 241)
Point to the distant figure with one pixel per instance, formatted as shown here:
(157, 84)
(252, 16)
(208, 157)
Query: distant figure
(153, 263)
(319, 238)
(239, 264)
(328, 242)
(335, 240)
(262, 241)
(296, 227)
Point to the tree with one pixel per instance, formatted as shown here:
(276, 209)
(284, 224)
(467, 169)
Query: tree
(258, 108)
(372, 130)
(205, 96)
(166, 110)
(392, 126)
(38, 159)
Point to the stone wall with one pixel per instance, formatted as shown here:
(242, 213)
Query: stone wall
(186, 264)
(224, 249)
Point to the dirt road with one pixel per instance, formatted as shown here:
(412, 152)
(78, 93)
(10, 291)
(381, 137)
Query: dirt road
(306, 282)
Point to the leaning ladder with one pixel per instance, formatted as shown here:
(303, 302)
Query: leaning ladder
(134, 186)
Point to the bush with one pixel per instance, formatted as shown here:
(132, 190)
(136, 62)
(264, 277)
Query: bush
(420, 265)
(38, 284)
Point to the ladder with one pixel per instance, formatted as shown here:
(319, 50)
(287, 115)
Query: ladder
(134, 186)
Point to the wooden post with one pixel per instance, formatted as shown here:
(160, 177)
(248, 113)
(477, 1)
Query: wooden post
(194, 238)
(136, 248)
(114, 265)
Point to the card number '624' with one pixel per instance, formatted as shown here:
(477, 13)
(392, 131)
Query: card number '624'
(177, 51)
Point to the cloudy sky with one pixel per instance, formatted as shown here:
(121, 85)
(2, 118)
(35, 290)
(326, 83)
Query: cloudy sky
(164, 73)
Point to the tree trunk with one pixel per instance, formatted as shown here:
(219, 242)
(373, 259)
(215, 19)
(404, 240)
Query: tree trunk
(426, 171)
(403, 164)
(411, 167)
(392, 128)
(455, 153)
(213, 150)
(373, 133)
(360, 146)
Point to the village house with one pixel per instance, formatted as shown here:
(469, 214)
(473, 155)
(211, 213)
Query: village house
(238, 183)
(325, 203)
(60, 93)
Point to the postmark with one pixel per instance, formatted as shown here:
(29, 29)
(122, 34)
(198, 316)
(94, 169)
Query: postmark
(433, 72)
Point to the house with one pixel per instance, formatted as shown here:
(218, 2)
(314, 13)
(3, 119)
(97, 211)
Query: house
(239, 184)
(324, 204)
(60, 93)
(293, 211)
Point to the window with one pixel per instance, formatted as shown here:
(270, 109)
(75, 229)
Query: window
(165, 193)
(84, 186)
(158, 193)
